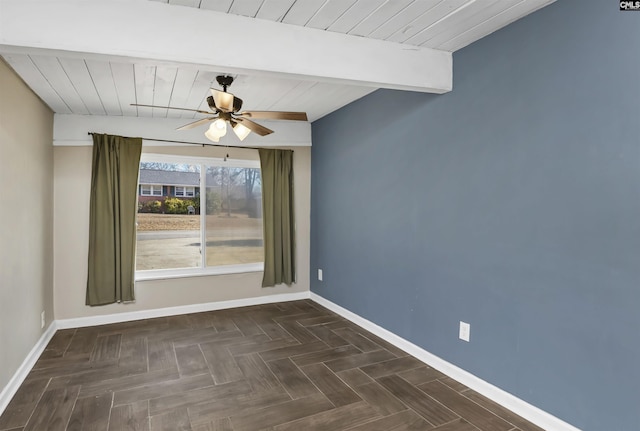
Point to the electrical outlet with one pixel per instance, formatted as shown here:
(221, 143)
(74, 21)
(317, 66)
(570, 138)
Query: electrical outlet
(42, 320)
(465, 331)
(320, 274)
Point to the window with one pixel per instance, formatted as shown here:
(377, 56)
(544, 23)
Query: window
(149, 190)
(185, 191)
(227, 219)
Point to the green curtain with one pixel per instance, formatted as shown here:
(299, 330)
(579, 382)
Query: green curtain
(277, 215)
(112, 219)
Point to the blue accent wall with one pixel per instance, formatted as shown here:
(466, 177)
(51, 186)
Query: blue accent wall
(511, 203)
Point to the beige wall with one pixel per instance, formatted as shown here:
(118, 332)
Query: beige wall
(72, 177)
(26, 225)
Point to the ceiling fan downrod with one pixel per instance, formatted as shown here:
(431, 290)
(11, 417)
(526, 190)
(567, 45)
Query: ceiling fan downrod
(224, 81)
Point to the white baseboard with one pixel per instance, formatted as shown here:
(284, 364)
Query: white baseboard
(81, 322)
(529, 412)
(23, 370)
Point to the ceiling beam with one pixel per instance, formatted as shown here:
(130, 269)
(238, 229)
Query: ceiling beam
(149, 30)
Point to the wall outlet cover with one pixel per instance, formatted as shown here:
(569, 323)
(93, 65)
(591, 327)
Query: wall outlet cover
(465, 331)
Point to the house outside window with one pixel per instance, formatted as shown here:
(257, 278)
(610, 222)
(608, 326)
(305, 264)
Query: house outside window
(218, 205)
(182, 191)
(150, 190)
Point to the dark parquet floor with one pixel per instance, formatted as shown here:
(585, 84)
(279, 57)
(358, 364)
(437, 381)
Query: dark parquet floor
(278, 367)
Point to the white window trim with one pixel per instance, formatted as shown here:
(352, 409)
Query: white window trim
(185, 191)
(152, 189)
(165, 274)
(162, 274)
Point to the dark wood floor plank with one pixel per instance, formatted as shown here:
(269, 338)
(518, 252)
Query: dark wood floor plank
(392, 366)
(256, 372)
(357, 339)
(206, 335)
(22, 404)
(161, 355)
(386, 345)
(453, 384)
(223, 323)
(91, 414)
(457, 425)
(221, 363)
(325, 355)
(223, 424)
(505, 414)
(464, 407)
(106, 348)
(334, 388)
(274, 330)
(130, 417)
(427, 407)
(82, 341)
(354, 377)
(320, 320)
(327, 335)
(133, 351)
(53, 410)
(99, 387)
(292, 378)
(160, 388)
(246, 324)
(172, 420)
(206, 412)
(59, 343)
(407, 420)
(421, 375)
(299, 349)
(379, 398)
(298, 332)
(361, 360)
(209, 394)
(281, 413)
(191, 361)
(337, 419)
(243, 349)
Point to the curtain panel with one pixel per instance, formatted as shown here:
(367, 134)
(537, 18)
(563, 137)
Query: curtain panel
(278, 217)
(112, 219)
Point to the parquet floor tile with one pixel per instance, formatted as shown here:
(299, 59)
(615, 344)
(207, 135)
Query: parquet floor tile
(276, 367)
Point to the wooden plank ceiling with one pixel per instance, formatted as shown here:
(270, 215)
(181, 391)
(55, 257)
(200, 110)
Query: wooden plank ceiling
(102, 85)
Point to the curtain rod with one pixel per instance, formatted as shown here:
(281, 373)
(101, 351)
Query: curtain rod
(192, 143)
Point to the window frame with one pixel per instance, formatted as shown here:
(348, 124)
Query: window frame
(187, 191)
(203, 269)
(152, 189)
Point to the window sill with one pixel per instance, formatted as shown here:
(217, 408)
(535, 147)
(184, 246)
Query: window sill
(164, 274)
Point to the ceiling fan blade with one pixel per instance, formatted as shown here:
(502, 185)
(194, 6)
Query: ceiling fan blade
(212, 104)
(223, 100)
(275, 115)
(171, 107)
(254, 127)
(196, 123)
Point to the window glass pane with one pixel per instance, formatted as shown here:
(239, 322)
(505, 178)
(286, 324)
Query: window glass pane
(234, 216)
(168, 236)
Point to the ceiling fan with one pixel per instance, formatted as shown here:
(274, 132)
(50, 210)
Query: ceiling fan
(225, 108)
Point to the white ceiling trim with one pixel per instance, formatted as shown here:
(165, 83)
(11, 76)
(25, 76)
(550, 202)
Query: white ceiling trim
(145, 30)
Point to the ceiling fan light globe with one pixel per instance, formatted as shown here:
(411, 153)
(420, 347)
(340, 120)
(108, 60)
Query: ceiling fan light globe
(241, 131)
(223, 100)
(212, 137)
(220, 126)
